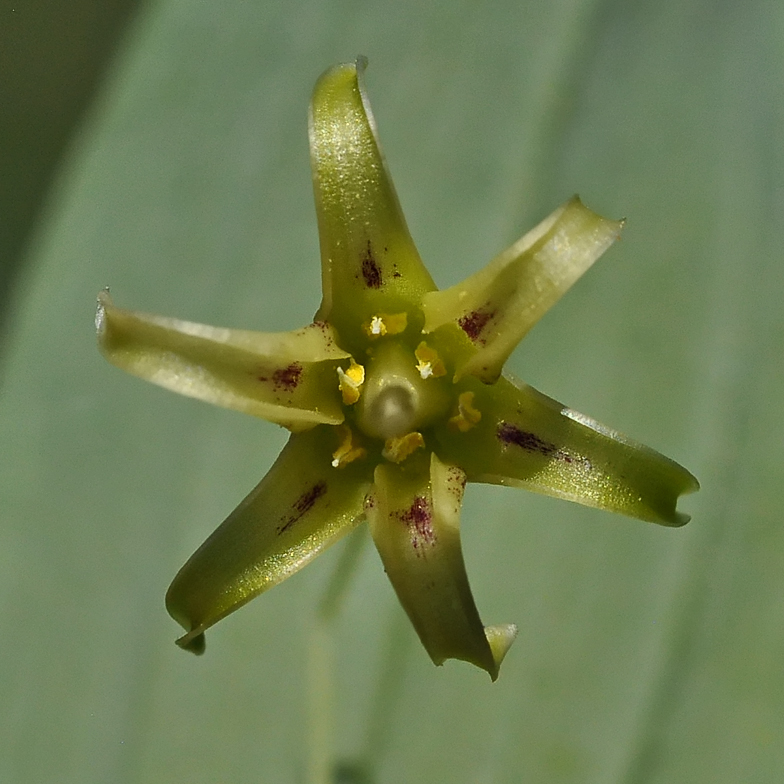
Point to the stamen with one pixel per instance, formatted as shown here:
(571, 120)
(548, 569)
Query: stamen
(349, 450)
(396, 450)
(429, 363)
(386, 324)
(350, 382)
(467, 416)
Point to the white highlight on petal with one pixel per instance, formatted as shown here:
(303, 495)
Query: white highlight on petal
(100, 311)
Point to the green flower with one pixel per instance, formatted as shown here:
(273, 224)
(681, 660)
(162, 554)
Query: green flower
(394, 397)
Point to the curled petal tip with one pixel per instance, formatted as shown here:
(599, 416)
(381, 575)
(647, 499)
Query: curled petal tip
(500, 639)
(690, 485)
(193, 641)
(672, 518)
(693, 486)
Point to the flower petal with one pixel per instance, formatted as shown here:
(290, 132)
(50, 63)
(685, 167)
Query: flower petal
(526, 439)
(499, 304)
(284, 377)
(302, 506)
(369, 262)
(414, 517)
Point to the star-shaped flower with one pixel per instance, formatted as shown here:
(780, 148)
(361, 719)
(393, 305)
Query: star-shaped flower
(394, 397)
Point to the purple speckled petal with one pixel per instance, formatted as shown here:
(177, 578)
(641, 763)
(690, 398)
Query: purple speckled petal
(302, 506)
(414, 516)
(496, 306)
(283, 377)
(369, 263)
(526, 439)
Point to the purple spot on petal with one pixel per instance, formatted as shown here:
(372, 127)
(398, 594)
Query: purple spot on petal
(419, 519)
(474, 323)
(287, 378)
(323, 327)
(511, 434)
(371, 272)
(302, 505)
(456, 482)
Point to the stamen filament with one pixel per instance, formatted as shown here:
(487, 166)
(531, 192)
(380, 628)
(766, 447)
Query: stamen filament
(386, 324)
(429, 364)
(350, 382)
(467, 416)
(349, 449)
(396, 450)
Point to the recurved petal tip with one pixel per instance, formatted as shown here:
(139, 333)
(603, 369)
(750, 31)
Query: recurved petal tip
(500, 638)
(193, 641)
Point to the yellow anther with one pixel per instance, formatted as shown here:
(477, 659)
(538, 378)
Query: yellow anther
(398, 449)
(350, 382)
(467, 416)
(386, 324)
(429, 364)
(349, 450)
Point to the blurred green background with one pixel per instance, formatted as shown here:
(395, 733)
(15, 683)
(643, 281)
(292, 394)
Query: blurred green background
(161, 148)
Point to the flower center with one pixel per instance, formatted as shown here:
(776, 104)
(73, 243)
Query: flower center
(396, 399)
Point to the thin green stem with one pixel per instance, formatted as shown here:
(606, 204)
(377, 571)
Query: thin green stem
(345, 569)
(395, 650)
(321, 669)
(320, 702)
